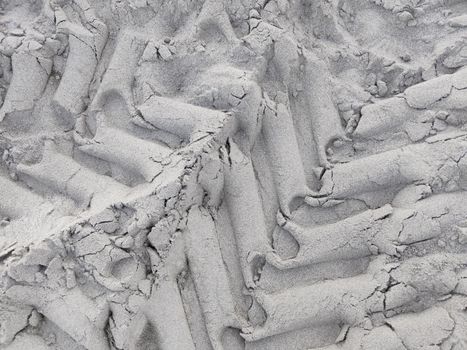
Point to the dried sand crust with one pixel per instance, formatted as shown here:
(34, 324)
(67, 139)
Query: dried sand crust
(233, 174)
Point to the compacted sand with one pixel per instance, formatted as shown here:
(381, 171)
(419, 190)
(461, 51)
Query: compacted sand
(233, 174)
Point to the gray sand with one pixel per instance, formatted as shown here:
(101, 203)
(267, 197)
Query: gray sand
(233, 174)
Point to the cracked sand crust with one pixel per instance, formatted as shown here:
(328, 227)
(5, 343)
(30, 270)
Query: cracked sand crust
(233, 174)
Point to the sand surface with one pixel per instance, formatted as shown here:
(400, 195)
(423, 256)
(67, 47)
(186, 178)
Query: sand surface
(233, 174)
